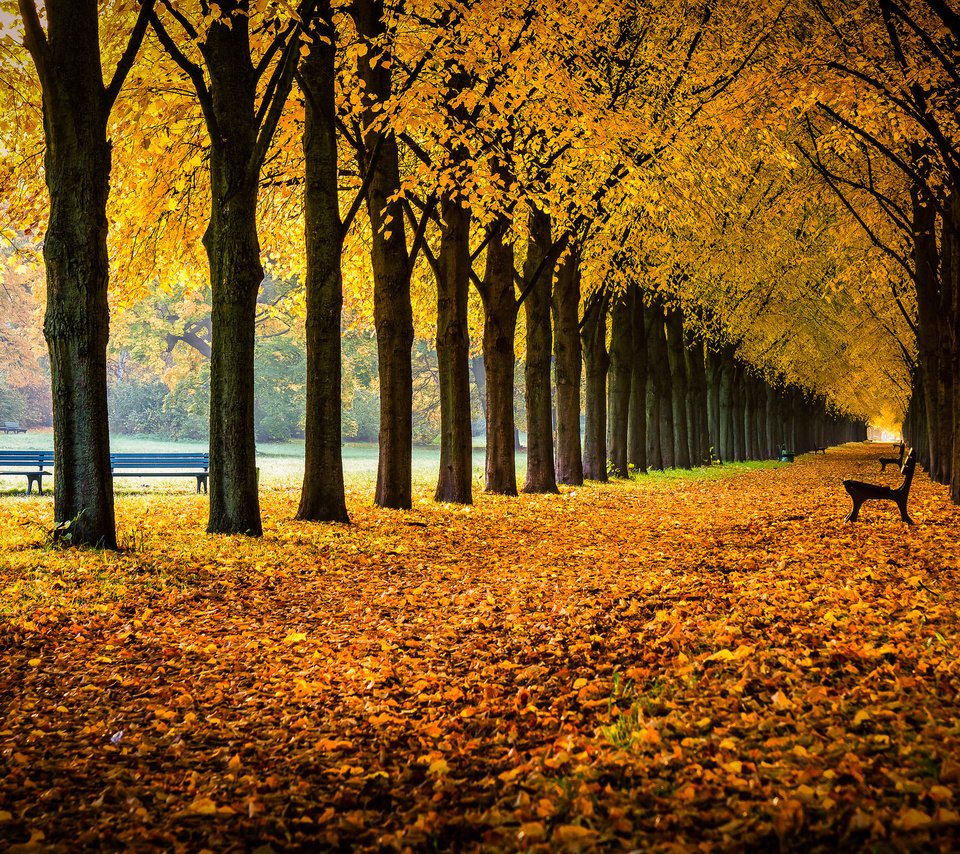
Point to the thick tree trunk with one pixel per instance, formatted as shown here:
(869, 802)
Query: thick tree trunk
(659, 361)
(568, 367)
(637, 427)
(499, 333)
(728, 371)
(928, 318)
(714, 367)
(455, 480)
(739, 410)
(678, 388)
(597, 363)
(618, 388)
(392, 310)
(233, 251)
(76, 326)
(697, 402)
(541, 475)
(322, 496)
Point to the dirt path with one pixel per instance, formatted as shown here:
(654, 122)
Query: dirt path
(726, 663)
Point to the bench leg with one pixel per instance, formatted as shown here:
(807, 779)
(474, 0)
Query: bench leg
(904, 516)
(852, 515)
(201, 479)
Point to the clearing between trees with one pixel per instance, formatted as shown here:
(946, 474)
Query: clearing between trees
(718, 661)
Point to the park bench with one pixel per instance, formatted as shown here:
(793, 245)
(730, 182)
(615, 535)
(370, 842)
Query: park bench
(860, 491)
(784, 456)
(892, 461)
(11, 427)
(33, 464)
(818, 450)
(177, 464)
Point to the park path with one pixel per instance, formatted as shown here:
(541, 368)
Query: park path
(724, 662)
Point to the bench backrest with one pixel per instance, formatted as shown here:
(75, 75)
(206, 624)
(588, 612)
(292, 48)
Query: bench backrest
(907, 470)
(160, 460)
(26, 458)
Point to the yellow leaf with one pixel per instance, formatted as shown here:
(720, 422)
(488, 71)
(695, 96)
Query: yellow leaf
(572, 833)
(202, 806)
(233, 766)
(34, 662)
(438, 767)
(861, 716)
(295, 637)
(911, 819)
(721, 655)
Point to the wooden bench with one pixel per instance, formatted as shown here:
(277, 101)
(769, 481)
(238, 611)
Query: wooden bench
(11, 427)
(177, 464)
(892, 461)
(819, 450)
(33, 464)
(860, 491)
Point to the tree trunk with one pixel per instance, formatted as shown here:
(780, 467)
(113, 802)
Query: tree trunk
(697, 402)
(739, 410)
(455, 480)
(76, 326)
(618, 389)
(541, 475)
(597, 362)
(637, 427)
(714, 369)
(679, 388)
(662, 387)
(322, 496)
(392, 310)
(568, 367)
(499, 333)
(728, 371)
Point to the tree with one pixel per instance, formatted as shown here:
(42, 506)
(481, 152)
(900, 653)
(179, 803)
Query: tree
(76, 109)
(240, 126)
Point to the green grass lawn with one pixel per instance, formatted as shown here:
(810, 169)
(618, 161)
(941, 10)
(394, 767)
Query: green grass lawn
(281, 464)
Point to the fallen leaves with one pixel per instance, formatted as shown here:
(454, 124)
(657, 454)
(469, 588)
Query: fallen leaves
(606, 670)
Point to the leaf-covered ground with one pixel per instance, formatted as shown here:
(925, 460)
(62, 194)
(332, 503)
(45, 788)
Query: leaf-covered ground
(713, 665)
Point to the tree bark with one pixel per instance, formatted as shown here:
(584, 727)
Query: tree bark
(455, 480)
(499, 360)
(728, 370)
(541, 475)
(392, 310)
(679, 388)
(77, 163)
(568, 367)
(662, 386)
(697, 402)
(322, 496)
(597, 362)
(637, 427)
(618, 387)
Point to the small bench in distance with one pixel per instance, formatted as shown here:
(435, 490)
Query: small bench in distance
(860, 491)
(11, 427)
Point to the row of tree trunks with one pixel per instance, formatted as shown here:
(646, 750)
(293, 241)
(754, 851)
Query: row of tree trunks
(691, 405)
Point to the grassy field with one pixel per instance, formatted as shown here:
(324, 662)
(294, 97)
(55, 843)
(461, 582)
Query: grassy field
(281, 464)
